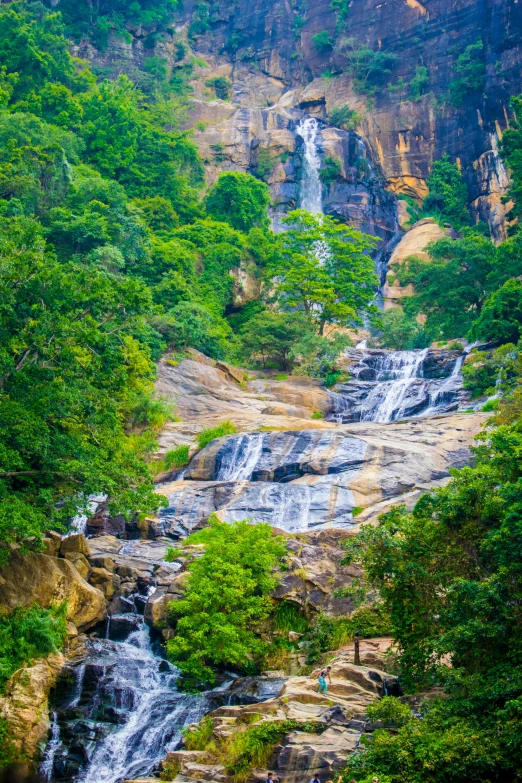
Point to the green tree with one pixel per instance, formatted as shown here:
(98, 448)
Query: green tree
(324, 270)
(271, 337)
(419, 83)
(226, 598)
(400, 332)
(471, 70)
(72, 374)
(448, 193)
(501, 315)
(239, 199)
(450, 577)
(511, 146)
(450, 288)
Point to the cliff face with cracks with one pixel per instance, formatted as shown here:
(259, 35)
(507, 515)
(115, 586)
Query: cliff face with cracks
(278, 75)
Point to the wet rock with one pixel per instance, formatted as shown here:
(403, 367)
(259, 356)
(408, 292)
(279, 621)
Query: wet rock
(120, 605)
(156, 609)
(121, 626)
(102, 523)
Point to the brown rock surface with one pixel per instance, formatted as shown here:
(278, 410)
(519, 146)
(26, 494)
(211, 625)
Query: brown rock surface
(25, 704)
(47, 580)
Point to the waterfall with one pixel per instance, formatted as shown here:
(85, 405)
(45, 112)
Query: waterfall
(47, 765)
(311, 186)
(388, 385)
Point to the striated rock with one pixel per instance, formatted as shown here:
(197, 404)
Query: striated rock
(25, 707)
(49, 580)
(235, 373)
(299, 480)
(295, 698)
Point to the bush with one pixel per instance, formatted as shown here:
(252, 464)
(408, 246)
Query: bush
(472, 73)
(265, 164)
(173, 460)
(419, 83)
(226, 600)
(399, 331)
(288, 616)
(331, 171)
(254, 747)
(200, 737)
(390, 710)
(207, 436)
(323, 41)
(344, 117)
(27, 635)
(221, 86)
(327, 633)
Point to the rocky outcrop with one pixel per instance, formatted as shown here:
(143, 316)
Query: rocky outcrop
(49, 580)
(413, 243)
(25, 704)
(339, 716)
(327, 476)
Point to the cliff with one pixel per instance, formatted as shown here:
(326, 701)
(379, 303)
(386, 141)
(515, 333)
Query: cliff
(279, 71)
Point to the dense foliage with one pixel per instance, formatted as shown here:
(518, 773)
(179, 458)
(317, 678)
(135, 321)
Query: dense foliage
(226, 598)
(27, 635)
(449, 575)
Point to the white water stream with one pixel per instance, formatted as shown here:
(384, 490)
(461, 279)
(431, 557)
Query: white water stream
(311, 186)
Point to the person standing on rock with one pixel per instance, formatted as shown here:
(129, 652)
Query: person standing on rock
(315, 779)
(323, 675)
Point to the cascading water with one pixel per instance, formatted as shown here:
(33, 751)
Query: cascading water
(390, 385)
(311, 186)
(125, 712)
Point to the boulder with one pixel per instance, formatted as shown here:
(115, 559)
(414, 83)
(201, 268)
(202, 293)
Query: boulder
(25, 707)
(75, 543)
(106, 582)
(235, 373)
(50, 580)
(52, 543)
(80, 562)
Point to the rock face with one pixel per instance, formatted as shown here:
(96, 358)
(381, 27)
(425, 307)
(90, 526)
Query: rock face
(339, 716)
(275, 61)
(25, 704)
(359, 465)
(47, 580)
(310, 473)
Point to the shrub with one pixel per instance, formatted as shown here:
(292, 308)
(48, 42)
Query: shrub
(265, 164)
(472, 73)
(288, 616)
(172, 554)
(27, 635)
(173, 460)
(327, 633)
(331, 171)
(254, 747)
(448, 193)
(344, 117)
(200, 737)
(419, 83)
(207, 436)
(323, 41)
(317, 415)
(390, 710)
(221, 86)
